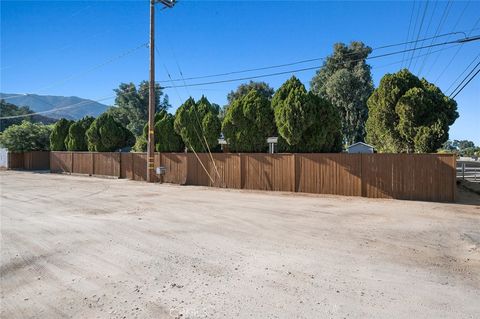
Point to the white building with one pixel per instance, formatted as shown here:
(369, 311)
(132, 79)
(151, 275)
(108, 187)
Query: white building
(360, 147)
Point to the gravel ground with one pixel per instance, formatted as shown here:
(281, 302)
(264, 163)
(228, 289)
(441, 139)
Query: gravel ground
(85, 247)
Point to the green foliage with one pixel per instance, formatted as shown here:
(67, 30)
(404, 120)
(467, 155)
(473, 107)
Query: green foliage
(8, 109)
(346, 82)
(243, 89)
(248, 122)
(131, 108)
(26, 137)
(197, 122)
(59, 134)
(305, 122)
(140, 144)
(107, 135)
(460, 147)
(166, 139)
(407, 114)
(471, 151)
(463, 144)
(76, 139)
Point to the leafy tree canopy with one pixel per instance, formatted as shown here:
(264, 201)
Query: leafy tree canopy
(131, 108)
(26, 137)
(407, 114)
(76, 139)
(243, 89)
(248, 122)
(345, 81)
(166, 139)
(305, 122)
(59, 134)
(107, 135)
(198, 124)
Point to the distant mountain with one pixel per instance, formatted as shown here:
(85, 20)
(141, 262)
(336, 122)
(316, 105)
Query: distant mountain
(38, 103)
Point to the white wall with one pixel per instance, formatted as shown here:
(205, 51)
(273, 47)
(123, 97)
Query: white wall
(3, 158)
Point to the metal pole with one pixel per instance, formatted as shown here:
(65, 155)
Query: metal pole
(151, 101)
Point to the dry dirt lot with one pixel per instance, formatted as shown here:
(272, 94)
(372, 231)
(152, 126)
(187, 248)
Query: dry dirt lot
(99, 248)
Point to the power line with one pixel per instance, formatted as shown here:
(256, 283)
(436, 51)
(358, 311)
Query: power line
(458, 41)
(454, 93)
(458, 77)
(428, 27)
(460, 90)
(464, 40)
(419, 31)
(409, 27)
(456, 53)
(446, 10)
(111, 60)
(56, 109)
(302, 61)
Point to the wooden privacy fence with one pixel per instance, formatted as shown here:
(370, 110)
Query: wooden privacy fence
(36, 160)
(428, 177)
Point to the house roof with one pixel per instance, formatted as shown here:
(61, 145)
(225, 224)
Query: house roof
(361, 143)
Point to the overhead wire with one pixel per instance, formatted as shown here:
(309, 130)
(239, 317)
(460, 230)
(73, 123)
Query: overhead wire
(443, 17)
(83, 73)
(409, 27)
(194, 128)
(475, 38)
(455, 54)
(419, 31)
(302, 61)
(428, 28)
(463, 72)
(199, 124)
(458, 41)
(455, 92)
(415, 27)
(461, 89)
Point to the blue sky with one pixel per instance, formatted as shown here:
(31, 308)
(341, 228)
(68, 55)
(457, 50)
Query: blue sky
(76, 47)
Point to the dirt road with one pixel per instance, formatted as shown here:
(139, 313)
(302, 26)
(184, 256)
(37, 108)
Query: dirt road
(85, 247)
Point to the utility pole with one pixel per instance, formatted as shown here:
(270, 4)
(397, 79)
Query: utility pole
(151, 91)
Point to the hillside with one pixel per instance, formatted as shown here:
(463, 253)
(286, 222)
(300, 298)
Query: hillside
(39, 103)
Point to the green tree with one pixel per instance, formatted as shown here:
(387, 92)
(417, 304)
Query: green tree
(345, 81)
(248, 122)
(243, 89)
(131, 105)
(462, 144)
(26, 137)
(305, 121)
(107, 135)
(198, 123)
(166, 139)
(407, 114)
(76, 139)
(59, 134)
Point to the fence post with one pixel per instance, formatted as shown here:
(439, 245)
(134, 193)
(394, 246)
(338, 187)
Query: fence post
(119, 164)
(463, 171)
(71, 163)
(294, 173)
(454, 188)
(363, 191)
(241, 170)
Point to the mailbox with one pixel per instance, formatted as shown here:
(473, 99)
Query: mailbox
(161, 170)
